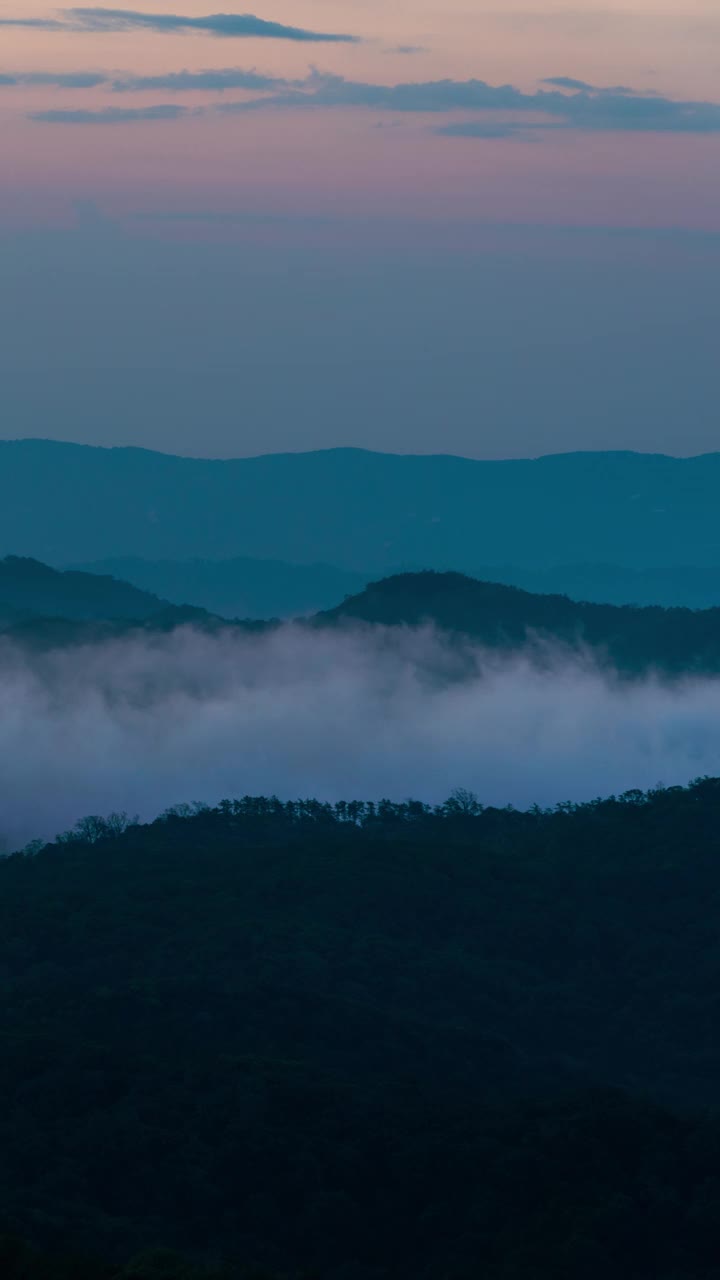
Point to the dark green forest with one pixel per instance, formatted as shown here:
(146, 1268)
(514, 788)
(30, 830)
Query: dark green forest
(627, 638)
(365, 1041)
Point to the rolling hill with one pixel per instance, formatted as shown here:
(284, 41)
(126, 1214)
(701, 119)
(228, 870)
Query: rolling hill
(31, 589)
(367, 512)
(683, 586)
(374, 1041)
(41, 607)
(238, 588)
(509, 619)
(247, 588)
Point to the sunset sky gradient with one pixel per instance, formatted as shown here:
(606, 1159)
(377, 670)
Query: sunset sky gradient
(466, 226)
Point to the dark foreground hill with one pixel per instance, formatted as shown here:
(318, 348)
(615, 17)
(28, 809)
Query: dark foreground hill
(369, 512)
(369, 1042)
(508, 619)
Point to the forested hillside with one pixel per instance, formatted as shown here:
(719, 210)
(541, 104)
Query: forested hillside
(507, 618)
(45, 609)
(247, 588)
(42, 608)
(682, 586)
(374, 1041)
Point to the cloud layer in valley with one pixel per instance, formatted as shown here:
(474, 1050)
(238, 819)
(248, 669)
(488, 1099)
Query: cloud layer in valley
(139, 725)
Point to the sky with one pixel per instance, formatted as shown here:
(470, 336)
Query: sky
(486, 227)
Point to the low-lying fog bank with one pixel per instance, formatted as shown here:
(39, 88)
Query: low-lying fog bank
(142, 723)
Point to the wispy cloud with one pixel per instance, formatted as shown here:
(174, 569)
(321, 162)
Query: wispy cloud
(37, 24)
(55, 79)
(561, 102)
(228, 25)
(588, 108)
(112, 115)
(218, 80)
(324, 90)
(490, 132)
(190, 81)
(567, 82)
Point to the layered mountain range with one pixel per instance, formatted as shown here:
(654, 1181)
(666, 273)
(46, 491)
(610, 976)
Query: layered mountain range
(44, 607)
(377, 513)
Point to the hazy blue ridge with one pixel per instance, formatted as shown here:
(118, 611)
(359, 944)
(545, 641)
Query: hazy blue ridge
(29, 588)
(45, 608)
(247, 588)
(240, 587)
(42, 606)
(367, 512)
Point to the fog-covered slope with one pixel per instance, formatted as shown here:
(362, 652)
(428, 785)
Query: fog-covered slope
(509, 619)
(42, 607)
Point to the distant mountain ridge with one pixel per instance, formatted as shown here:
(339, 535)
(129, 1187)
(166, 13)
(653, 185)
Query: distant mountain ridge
(367, 512)
(30, 588)
(31, 591)
(238, 588)
(247, 588)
